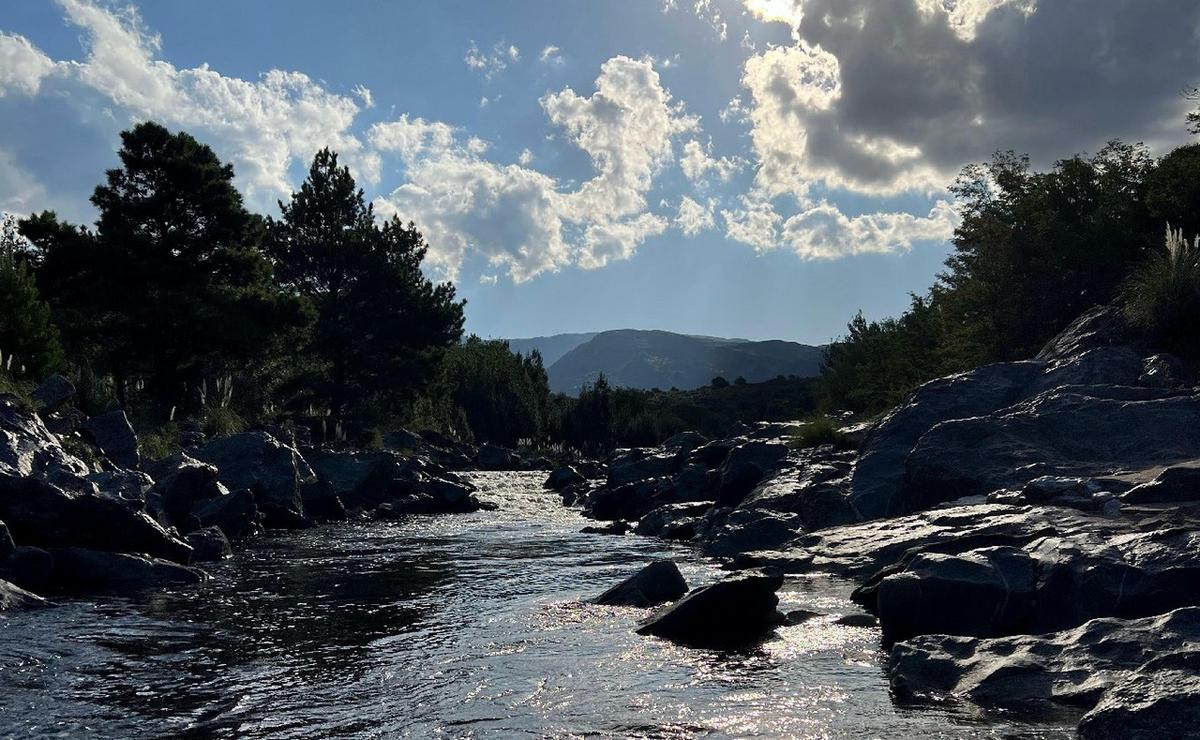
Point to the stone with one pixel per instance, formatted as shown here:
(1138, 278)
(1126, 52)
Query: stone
(7, 546)
(184, 484)
(1177, 484)
(672, 521)
(1160, 700)
(745, 467)
(209, 544)
(1101, 326)
(616, 528)
(322, 504)
(15, 598)
(270, 469)
(561, 478)
(53, 393)
(684, 442)
(79, 570)
(495, 457)
(346, 472)
(1164, 371)
(734, 613)
(636, 465)
(657, 583)
(114, 436)
(857, 620)
(28, 567)
(235, 514)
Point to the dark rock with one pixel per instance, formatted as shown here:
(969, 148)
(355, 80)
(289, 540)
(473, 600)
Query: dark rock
(616, 528)
(6, 542)
(184, 485)
(255, 460)
(28, 448)
(737, 612)
(1164, 371)
(1160, 700)
(65, 421)
(800, 616)
(402, 439)
(742, 530)
(209, 544)
(563, 477)
(657, 583)
(695, 483)
(711, 455)
(858, 620)
(1175, 485)
(634, 466)
(28, 567)
(347, 472)
(745, 467)
(14, 598)
(114, 435)
(52, 393)
(684, 442)
(495, 457)
(629, 501)
(672, 521)
(1102, 326)
(322, 504)
(79, 570)
(235, 514)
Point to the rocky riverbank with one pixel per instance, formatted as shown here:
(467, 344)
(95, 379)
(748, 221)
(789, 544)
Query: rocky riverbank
(1027, 533)
(82, 512)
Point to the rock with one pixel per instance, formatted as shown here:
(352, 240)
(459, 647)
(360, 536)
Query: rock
(634, 466)
(402, 439)
(185, 484)
(629, 501)
(657, 583)
(563, 477)
(347, 472)
(857, 620)
(38, 513)
(114, 435)
(28, 567)
(986, 592)
(495, 457)
(52, 393)
(65, 421)
(7, 546)
(1177, 484)
(736, 612)
(79, 570)
(617, 528)
(742, 530)
(1160, 700)
(672, 521)
(684, 442)
(1163, 371)
(271, 470)
(745, 467)
(322, 504)
(800, 616)
(235, 514)
(1102, 326)
(14, 598)
(28, 448)
(1048, 673)
(209, 544)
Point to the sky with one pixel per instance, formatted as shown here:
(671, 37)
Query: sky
(746, 168)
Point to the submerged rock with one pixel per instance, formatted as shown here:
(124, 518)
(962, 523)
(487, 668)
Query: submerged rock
(657, 583)
(737, 612)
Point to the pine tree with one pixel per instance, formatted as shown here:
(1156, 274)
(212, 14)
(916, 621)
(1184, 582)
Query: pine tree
(28, 339)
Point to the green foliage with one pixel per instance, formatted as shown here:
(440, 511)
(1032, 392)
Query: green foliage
(1173, 190)
(159, 443)
(381, 326)
(1162, 296)
(818, 432)
(29, 341)
(219, 421)
(719, 382)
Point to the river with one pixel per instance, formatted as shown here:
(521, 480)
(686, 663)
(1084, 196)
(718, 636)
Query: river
(459, 626)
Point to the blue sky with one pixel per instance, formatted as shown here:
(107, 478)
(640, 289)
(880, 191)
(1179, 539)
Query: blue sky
(753, 168)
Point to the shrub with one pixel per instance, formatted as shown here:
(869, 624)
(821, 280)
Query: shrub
(817, 433)
(1162, 296)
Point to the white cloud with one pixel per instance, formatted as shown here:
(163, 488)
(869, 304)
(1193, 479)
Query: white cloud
(705, 10)
(491, 63)
(824, 232)
(489, 279)
(522, 220)
(22, 65)
(697, 161)
(20, 192)
(525, 158)
(693, 217)
(551, 55)
(364, 94)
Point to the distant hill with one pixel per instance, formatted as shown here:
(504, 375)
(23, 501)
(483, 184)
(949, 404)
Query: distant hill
(635, 358)
(552, 347)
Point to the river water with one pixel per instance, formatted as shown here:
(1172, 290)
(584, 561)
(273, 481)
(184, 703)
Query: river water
(461, 626)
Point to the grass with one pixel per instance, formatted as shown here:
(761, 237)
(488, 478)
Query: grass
(1162, 296)
(818, 432)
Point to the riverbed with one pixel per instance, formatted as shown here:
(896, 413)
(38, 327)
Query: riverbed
(458, 626)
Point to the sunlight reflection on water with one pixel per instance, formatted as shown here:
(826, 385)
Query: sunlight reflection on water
(454, 627)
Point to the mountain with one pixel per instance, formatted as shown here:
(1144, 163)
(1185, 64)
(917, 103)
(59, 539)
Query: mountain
(660, 359)
(551, 347)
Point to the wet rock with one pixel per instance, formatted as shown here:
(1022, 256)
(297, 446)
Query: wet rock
(1048, 673)
(347, 472)
(53, 393)
(745, 467)
(235, 514)
(657, 583)
(15, 598)
(1160, 700)
(1178, 484)
(672, 521)
(209, 544)
(800, 616)
(733, 613)
(636, 465)
(79, 570)
(185, 484)
(563, 477)
(114, 436)
(615, 528)
(321, 503)
(858, 620)
(495, 457)
(255, 460)
(1164, 371)
(28, 567)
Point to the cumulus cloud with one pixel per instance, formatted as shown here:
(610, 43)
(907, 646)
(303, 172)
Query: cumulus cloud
(881, 97)
(20, 192)
(22, 65)
(697, 162)
(521, 219)
(693, 217)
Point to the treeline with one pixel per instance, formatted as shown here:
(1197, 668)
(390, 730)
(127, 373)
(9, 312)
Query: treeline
(1033, 251)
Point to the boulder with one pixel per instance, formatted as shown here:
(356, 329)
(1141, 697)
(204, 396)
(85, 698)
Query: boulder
(636, 465)
(1101, 326)
(745, 467)
(347, 472)
(209, 544)
(28, 567)
(672, 521)
(52, 393)
(38, 513)
(615, 528)
(629, 501)
(495, 457)
(322, 503)
(743, 530)
(1160, 700)
(657, 583)
(14, 598)
(7, 546)
(684, 442)
(270, 469)
(235, 514)
(186, 484)
(114, 436)
(28, 448)
(1177, 484)
(78, 570)
(737, 612)
(563, 477)
(1164, 371)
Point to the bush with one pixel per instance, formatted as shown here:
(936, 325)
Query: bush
(1162, 296)
(817, 433)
